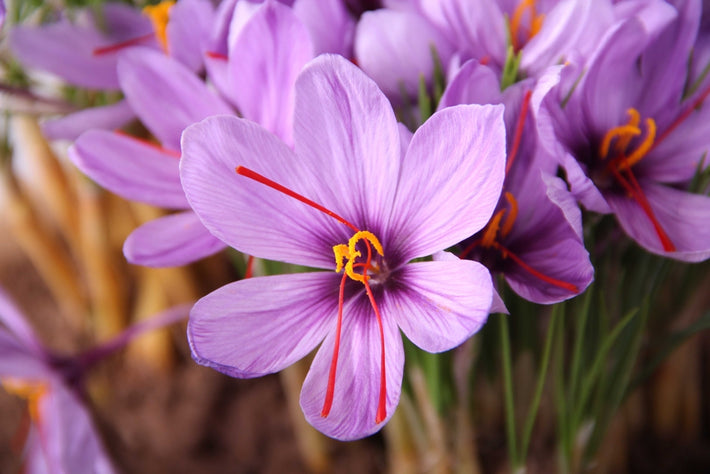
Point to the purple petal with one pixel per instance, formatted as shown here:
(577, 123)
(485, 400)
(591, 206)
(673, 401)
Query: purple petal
(570, 25)
(681, 215)
(346, 131)
(473, 84)
(395, 48)
(443, 303)
(249, 215)
(557, 192)
(70, 441)
(262, 325)
(188, 31)
(269, 53)
(357, 381)
(130, 168)
(20, 359)
(448, 189)
(67, 49)
(13, 319)
(583, 188)
(177, 239)
(108, 117)
(165, 95)
(331, 27)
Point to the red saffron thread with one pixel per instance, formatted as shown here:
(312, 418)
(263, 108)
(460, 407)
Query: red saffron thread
(165, 151)
(112, 48)
(518, 131)
(684, 115)
(330, 390)
(552, 281)
(246, 172)
(216, 55)
(250, 267)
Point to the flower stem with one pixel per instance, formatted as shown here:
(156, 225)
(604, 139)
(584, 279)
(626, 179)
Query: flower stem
(508, 389)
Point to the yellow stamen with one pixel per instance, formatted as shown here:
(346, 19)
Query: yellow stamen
(159, 15)
(643, 148)
(517, 18)
(489, 236)
(512, 215)
(349, 253)
(32, 392)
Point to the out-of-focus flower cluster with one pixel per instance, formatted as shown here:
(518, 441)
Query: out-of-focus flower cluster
(413, 160)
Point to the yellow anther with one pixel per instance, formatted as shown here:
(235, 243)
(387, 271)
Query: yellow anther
(643, 148)
(512, 215)
(489, 236)
(515, 21)
(32, 392)
(623, 132)
(341, 252)
(350, 253)
(159, 15)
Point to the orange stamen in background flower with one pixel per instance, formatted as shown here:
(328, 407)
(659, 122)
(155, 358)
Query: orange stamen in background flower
(518, 131)
(623, 162)
(246, 172)
(642, 149)
(489, 235)
(516, 21)
(512, 215)
(112, 48)
(159, 16)
(165, 151)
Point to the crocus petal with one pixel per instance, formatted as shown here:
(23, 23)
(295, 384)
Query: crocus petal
(269, 53)
(20, 360)
(442, 303)
(341, 113)
(170, 241)
(261, 325)
(582, 187)
(188, 31)
(248, 215)
(473, 84)
(680, 214)
(67, 49)
(108, 117)
(331, 26)
(395, 48)
(165, 95)
(13, 319)
(559, 258)
(132, 169)
(70, 441)
(357, 381)
(557, 192)
(464, 177)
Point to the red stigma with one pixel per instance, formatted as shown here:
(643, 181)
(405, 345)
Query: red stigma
(112, 48)
(216, 55)
(518, 131)
(155, 146)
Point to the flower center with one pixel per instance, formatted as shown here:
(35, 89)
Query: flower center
(519, 35)
(350, 254)
(623, 158)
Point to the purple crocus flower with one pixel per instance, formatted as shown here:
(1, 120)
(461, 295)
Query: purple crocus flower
(167, 97)
(630, 134)
(85, 52)
(529, 239)
(271, 49)
(62, 437)
(347, 199)
(393, 45)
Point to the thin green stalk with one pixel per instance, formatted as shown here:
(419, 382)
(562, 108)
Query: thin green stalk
(579, 340)
(508, 389)
(561, 403)
(542, 375)
(593, 374)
